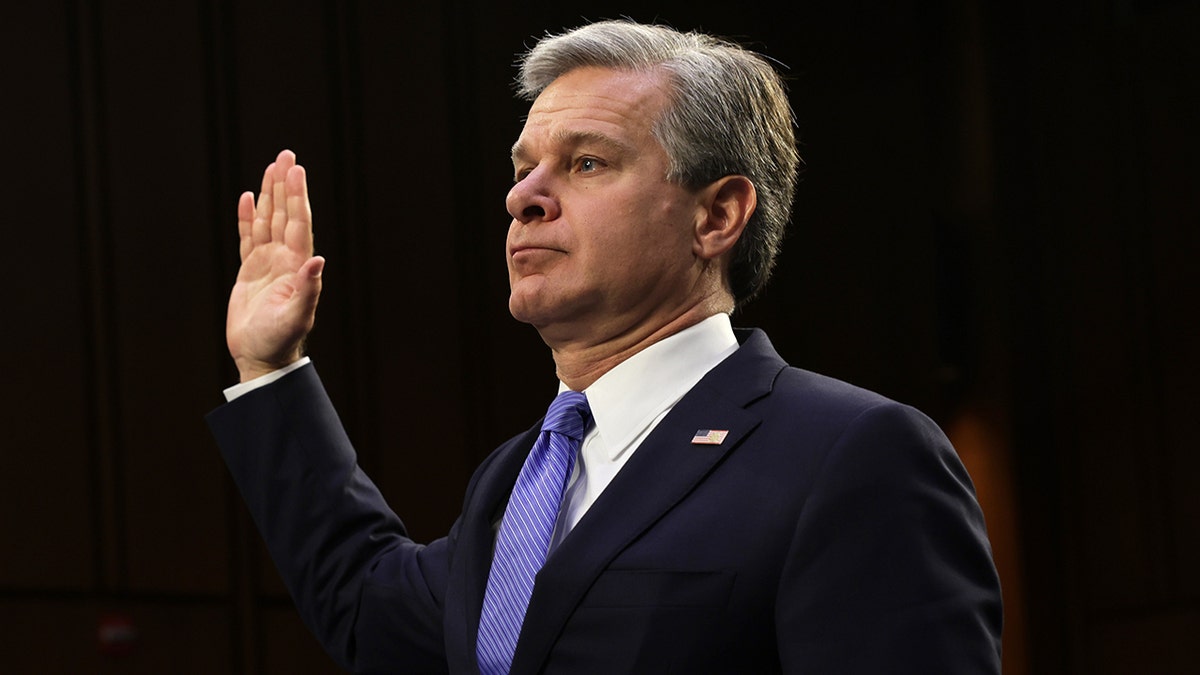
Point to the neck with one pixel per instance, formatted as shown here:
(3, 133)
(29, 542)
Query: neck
(580, 363)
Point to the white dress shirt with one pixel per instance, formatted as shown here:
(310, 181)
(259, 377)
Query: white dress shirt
(263, 380)
(627, 403)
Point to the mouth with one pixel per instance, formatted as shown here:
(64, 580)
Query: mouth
(529, 259)
(531, 250)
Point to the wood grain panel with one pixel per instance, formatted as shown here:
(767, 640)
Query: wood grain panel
(47, 455)
(1160, 641)
(288, 646)
(61, 635)
(157, 182)
(416, 331)
(1165, 70)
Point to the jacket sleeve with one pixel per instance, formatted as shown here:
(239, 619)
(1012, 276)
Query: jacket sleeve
(890, 570)
(336, 543)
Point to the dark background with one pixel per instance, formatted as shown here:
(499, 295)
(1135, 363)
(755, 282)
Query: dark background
(997, 223)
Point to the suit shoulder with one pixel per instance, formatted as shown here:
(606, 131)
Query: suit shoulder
(798, 401)
(796, 386)
(812, 404)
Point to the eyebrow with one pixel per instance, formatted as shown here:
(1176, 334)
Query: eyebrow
(574, 139)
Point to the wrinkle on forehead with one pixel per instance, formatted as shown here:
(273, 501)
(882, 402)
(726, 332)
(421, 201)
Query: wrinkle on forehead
(632, 89)
(630, 101)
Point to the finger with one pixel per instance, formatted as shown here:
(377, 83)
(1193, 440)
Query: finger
(299, 234)
(308, 288)
(283, 163)
(263, 208)
(285, 159)
(312, 268)
(245, 224)
(261, 231)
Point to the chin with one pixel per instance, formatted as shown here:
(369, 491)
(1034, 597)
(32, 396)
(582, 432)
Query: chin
(537, 314)
(520, 310)
(527, 301)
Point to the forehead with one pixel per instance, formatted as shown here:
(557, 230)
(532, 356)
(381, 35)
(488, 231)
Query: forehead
(621, 105)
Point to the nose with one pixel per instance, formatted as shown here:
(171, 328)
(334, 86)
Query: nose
(531, 198)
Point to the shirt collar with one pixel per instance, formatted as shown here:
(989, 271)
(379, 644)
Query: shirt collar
(630, 397)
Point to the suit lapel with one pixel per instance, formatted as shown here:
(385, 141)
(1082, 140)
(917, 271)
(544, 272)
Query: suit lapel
(661, 473)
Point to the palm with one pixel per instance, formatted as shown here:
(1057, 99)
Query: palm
(273, 303)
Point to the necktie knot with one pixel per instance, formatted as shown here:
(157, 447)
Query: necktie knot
(568, 415)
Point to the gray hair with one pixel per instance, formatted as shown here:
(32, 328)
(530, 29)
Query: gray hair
(729, 116)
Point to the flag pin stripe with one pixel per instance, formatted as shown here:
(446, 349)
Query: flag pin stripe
(709, 436)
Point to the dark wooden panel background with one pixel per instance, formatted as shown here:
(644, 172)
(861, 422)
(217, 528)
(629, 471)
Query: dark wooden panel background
(998, 223)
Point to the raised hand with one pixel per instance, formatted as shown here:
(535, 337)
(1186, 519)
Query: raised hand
(274, 302)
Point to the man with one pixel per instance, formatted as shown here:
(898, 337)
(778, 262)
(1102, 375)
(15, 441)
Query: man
(722, 511)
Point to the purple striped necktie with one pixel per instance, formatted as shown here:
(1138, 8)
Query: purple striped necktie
(525, 530)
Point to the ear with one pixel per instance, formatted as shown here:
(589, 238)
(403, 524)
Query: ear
(727, 205)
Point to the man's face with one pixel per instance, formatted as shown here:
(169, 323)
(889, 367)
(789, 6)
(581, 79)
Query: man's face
(601, 243)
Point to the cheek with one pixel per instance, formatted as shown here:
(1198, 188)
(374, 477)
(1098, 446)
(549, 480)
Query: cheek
(632, 234)
(665, 237)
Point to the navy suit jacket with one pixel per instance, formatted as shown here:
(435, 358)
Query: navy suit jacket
(833, 531)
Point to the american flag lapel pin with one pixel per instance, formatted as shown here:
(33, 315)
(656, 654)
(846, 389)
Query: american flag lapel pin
(709, 436)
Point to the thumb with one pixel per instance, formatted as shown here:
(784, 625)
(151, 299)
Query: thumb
(308, 282)
(313, 267)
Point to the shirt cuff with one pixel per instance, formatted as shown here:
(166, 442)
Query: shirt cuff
(263, 380)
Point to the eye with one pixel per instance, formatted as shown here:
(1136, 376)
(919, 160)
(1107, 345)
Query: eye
(588, 164)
